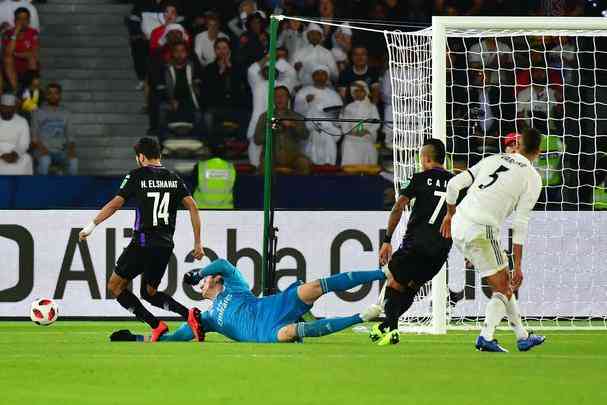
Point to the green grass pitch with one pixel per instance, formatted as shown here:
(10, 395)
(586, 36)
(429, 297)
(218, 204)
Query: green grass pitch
(74, 363)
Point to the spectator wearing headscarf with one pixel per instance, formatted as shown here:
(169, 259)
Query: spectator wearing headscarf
(320, 101)
(312, 55)
(14, 139)
(258, 80)
(358, 146)
(318, 91)
(292, 38)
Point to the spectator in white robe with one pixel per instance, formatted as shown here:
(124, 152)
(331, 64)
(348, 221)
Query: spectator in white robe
(318, 91)
(258, 80)
(386, 96)
(312, 55)
(292, 38)
(358, 146)
(14, 139)
(321, 146)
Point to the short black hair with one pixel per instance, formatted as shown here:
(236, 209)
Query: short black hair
(220, 40)
(22, 10)
(149, 147)
(531, 140)
(55, 85)
(168, 4)
(437, 151)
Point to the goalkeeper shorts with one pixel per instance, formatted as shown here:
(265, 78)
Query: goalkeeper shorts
(479, 244)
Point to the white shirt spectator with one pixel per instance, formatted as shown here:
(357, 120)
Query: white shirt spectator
(259, 86)
(15, 137)
(205, 47)
(321, 146)
(7, 13)
(325, 95)
(537, 99)
(358, 146)
(486, 52)
(386, 95)
(312, 55)
(292, 41)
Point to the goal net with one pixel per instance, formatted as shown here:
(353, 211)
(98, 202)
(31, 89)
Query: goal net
(476, 83)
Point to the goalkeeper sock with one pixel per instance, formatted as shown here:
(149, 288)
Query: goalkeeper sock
(183, 334)
(396, 303)
(166, 302)
(514, 318)
(495, 311)
(345, 281)
(326, 326)
(132, 304)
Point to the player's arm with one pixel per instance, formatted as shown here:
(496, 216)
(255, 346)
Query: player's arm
(520, 225)
(189, 203)
(233, 278)
(107, 211)
(454, 187)
(127, 189)
(395, 215)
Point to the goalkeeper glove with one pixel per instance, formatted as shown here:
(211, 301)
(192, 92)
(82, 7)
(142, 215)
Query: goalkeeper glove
(191, 277)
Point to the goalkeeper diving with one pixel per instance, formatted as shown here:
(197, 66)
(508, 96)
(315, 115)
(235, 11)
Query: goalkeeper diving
(237, 314)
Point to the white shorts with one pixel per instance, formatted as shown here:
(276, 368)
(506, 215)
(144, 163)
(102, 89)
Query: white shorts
(479, 244)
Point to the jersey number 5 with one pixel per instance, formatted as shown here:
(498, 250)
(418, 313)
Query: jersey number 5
(439, 206)
(494, 177)
(160, 210)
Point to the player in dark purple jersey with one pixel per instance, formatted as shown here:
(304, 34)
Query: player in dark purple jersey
(158, 193)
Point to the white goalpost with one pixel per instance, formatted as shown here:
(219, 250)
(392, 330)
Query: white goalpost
(470, 81)
(474, 82)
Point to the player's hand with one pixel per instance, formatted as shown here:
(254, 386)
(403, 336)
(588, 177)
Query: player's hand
(517, 279)
(385, 253)
(198, 251)
(86, 231)
(445, 228)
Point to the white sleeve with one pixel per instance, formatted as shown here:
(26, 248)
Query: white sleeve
(300, 104)
(198, 49)
(253, 74)
(34, 19)
(522, 213)
(23, 143)
(457, 184)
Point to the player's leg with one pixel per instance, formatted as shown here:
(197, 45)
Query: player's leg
(183, 334)
(126, 269)
(157, 260)
(297, 331)
(310, 292)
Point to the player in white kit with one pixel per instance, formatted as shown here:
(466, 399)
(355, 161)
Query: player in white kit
(498, 186)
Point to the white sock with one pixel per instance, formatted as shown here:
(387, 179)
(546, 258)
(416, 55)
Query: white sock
(514, 318)
(495, 311)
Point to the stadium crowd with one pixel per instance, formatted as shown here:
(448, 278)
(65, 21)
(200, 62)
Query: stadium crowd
(203, 66)
(35, 131)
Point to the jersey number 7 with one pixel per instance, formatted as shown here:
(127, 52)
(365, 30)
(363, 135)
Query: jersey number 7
(160, 210)
(439, 206)
(494, 176)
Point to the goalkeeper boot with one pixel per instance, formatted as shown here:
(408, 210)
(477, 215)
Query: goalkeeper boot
(160, 330)
(194, 322)
(123, 335)
(484, 345)
(390, 338)
(531, 341)
(377, 333)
